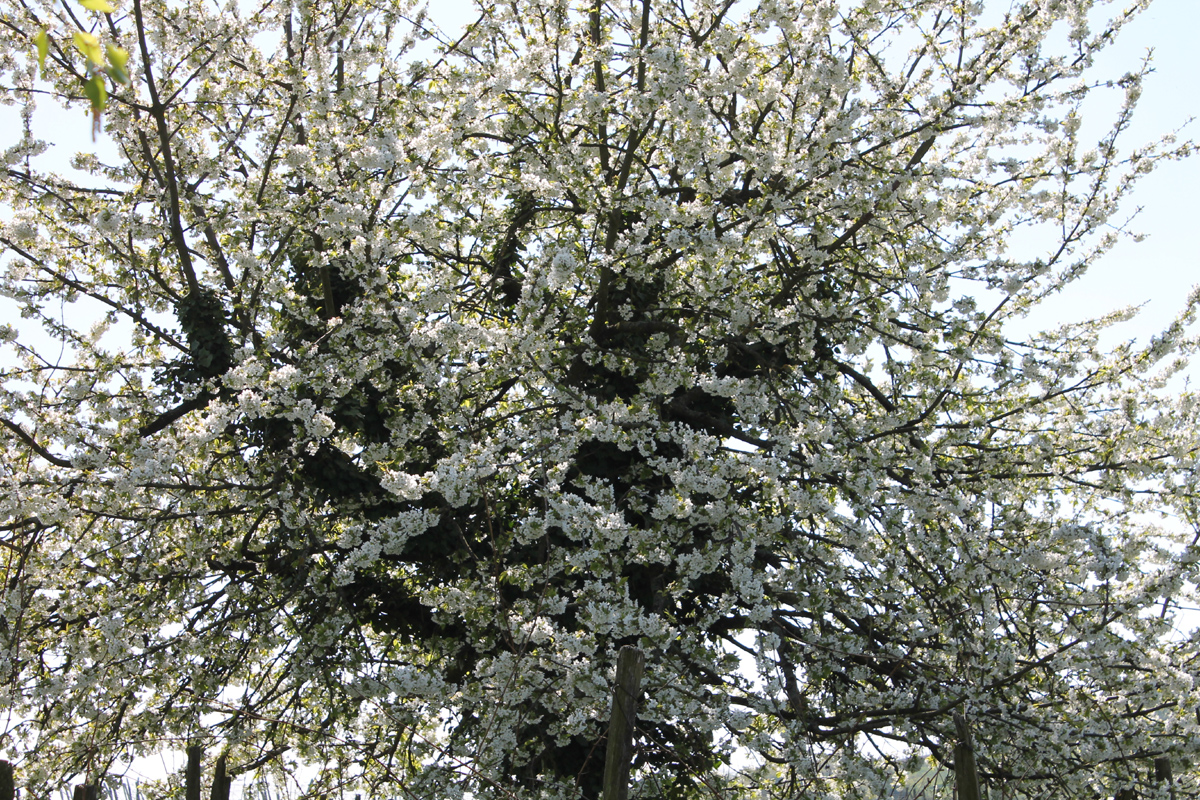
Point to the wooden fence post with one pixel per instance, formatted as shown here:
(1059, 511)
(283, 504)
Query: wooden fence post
(191, 779)
(619, 756)
(221, 781)
(8, 786)
(966, 777)
(87, 791)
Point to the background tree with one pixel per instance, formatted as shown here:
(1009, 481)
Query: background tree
(422, 384)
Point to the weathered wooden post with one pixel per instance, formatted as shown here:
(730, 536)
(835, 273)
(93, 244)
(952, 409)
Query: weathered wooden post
(619, 756)
(966, 778)
(221, 780)
(191, 778)
(87, 791)
(8, 786)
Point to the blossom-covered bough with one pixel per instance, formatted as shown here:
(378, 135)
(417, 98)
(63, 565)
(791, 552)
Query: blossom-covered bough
(397, 380)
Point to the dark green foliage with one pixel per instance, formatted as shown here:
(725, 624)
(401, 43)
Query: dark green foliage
(202, 317)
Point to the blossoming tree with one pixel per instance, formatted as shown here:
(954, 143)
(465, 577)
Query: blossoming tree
(389, 382)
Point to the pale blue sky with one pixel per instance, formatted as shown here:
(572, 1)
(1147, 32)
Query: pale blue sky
(1161, 270)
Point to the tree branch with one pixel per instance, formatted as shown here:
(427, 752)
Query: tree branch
(166, 418)
(159, 112)
(32, 443)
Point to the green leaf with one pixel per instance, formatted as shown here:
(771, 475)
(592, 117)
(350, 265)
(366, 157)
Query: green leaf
(98, 5)
(117, 59)
(89, 45)
(42, 40)
(118, 75)
(117, 56)
(94, 89)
